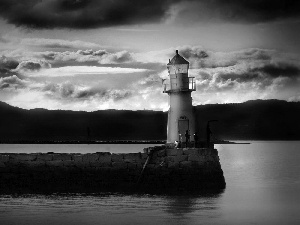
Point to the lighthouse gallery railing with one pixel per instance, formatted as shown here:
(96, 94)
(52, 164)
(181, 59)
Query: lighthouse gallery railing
(172, 87)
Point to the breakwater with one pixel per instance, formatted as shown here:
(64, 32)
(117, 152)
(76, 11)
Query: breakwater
(166, 171)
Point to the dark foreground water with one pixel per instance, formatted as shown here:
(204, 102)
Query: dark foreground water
(263, 187)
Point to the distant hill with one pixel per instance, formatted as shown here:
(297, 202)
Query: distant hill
(252, 120)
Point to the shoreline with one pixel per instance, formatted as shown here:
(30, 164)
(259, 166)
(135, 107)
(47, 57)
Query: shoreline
(85, 142)
(99, 142)
(107, 142)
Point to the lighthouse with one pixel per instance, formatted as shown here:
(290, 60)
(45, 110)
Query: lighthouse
(179, 86)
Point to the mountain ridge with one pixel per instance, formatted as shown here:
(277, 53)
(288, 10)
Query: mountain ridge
(251, 120)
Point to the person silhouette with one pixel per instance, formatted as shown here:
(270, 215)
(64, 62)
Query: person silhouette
(187, 138)
(180, 141)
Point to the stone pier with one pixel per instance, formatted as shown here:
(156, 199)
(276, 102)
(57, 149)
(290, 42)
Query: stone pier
(191, 170)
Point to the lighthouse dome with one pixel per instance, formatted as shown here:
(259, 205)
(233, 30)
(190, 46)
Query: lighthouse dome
(177, 59)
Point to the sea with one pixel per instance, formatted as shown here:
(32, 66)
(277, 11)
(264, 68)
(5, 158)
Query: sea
(263, 187)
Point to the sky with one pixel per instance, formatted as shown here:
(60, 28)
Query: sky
(93, 55)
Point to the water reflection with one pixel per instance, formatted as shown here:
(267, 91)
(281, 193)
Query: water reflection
(180, 205)
(188, 209)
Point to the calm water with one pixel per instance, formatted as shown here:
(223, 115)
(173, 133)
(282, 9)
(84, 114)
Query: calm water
(263, 187)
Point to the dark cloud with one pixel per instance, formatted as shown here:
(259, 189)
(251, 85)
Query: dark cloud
(12, 82)
(58, 43)
(50, 87)
(48, 55)
(259, 10)
(201, 58)
(189, 53)
(119, 95)
(32, 65)
(119, 57)
(7, 65)
(64, 90)
(279, 69)
(241, 78)
(251, 70)
(255, 54)
(99, 56)
(88, 93)
(85, 14)
(267, 72)
(5, 72)
(10, 67)
(237, 11)
(99, 52)
(259, 78)
(91, 52)
(82, 13)
(69, 91)
(71, 5)
(4, 85)
(115, 95)
(196, 55)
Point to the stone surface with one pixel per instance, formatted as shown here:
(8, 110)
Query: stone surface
(119, 165)
(69, 163)
(195, 158)
(193, 151)
(90, 157)
(62, 157)
(161, 153)
(173, 165)
(133, 157)
(185, 164)
(4, 158)
(173, 152)
(44, 157)
(105, 158)
(170, 158)
(131, 166)
(37, 163)
(180, 158)
(23, 157)
(77, 158)
(56, 163)
(117, 157)
(168, 170)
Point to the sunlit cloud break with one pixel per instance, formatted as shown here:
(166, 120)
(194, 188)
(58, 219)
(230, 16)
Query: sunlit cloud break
(68, 71)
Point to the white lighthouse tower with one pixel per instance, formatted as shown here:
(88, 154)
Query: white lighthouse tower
(179, 86)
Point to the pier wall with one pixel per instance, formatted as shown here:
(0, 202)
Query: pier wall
(168, 170)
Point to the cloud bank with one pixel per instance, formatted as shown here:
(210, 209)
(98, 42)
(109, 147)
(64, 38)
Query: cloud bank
(100, 56)
(129, 80)
(83, 14)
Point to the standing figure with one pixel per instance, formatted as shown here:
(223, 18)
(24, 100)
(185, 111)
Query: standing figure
(187, 138)
(180, 141)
